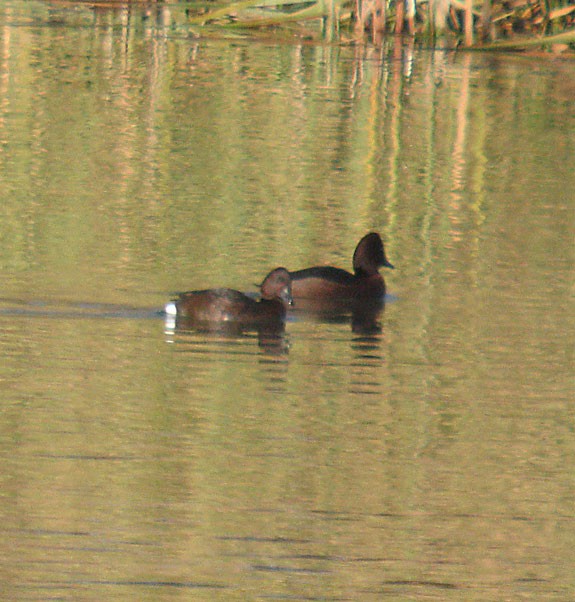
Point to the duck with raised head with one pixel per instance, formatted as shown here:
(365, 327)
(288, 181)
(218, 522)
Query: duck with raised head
(330, 283)
(222, 307)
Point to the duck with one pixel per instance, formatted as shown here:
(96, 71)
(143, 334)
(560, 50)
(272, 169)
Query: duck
(327, 283)
(221, 307)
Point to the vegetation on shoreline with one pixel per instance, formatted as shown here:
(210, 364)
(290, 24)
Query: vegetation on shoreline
(484, 24)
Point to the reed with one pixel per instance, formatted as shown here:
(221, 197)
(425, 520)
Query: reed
(487, 24)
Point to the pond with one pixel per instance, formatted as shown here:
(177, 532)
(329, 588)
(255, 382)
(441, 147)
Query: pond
(427, 457)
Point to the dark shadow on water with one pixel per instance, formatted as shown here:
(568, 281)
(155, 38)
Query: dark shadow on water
(74, 309)
(157, 584)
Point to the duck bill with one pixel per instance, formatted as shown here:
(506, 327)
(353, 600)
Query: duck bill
(286, 296)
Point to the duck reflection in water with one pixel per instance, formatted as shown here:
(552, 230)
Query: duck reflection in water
(228, 311)
(332, 294)
(364, 315)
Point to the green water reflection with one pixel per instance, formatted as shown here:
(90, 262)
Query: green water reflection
(430, 459)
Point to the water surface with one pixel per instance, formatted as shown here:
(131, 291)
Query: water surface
(429, 456)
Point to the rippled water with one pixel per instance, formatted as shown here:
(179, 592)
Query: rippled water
(424, 454)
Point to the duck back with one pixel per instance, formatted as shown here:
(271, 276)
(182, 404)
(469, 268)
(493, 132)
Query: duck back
(223, 306)
(327, 282)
